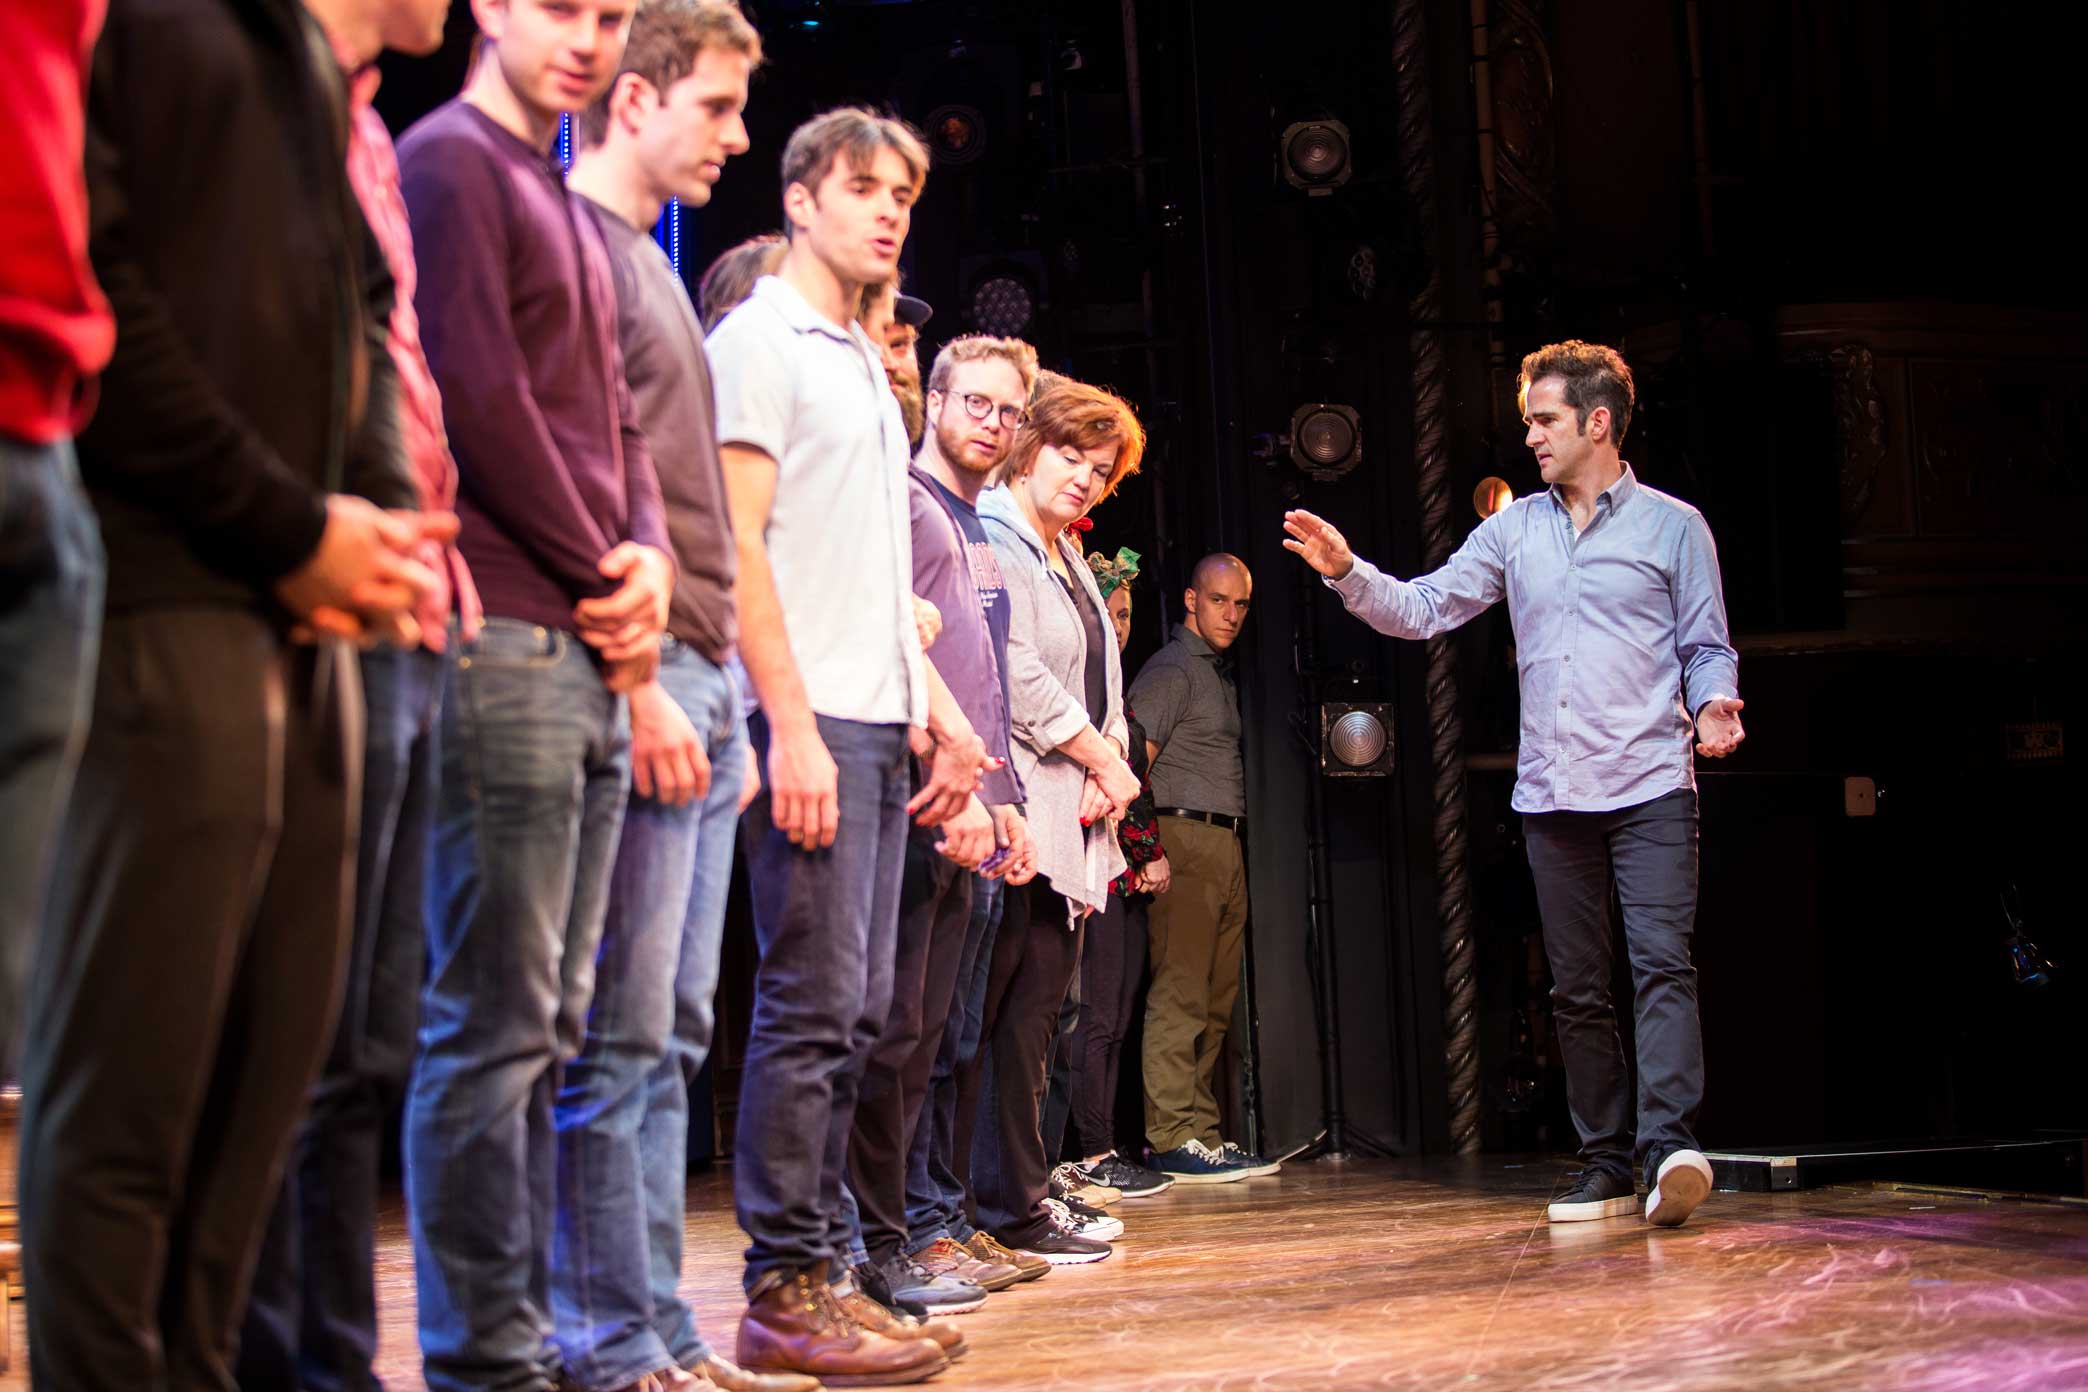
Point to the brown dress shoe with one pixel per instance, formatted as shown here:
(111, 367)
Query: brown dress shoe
(721, 1372)
(948, 1257)
(793, 1324)
(982, 1246)
(894, 1324)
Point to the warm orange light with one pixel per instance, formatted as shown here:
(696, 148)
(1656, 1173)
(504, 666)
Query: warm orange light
(1491, 496)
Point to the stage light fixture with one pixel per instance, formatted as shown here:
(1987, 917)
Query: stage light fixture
(1001, 305)
(1356, 739)
(1491, 496)
(1326, 441)
(956, 134)
(1315, 157)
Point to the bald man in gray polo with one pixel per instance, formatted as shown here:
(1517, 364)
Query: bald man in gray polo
(1189, 704)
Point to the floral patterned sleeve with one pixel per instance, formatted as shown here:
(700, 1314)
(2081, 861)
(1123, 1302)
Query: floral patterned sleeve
(1139, 832)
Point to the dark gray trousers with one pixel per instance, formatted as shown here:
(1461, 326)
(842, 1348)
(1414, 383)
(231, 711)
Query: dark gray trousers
(184, 990)
(1649, 852)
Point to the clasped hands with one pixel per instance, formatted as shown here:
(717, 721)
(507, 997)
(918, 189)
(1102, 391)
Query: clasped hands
(362, 582)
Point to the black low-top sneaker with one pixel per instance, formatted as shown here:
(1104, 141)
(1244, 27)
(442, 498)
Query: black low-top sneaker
(1062, 1248)
(1132, 1181)
(1595, 1194)
(1682, 1182)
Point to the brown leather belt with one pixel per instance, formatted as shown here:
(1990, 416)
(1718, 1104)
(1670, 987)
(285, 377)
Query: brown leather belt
(1216, 819)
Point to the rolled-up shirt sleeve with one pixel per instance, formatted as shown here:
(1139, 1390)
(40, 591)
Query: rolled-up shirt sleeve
(1703, 643)
(1041, 712)
(1464, 587)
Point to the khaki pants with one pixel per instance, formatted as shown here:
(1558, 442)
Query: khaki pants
(1196, 931)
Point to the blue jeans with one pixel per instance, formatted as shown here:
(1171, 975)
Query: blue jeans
(826, 923)
(623, 1109)
(312, 1319)
(51, 572)
(935, 1184)
(535, 772)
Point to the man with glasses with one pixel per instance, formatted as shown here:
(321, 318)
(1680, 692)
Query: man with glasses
(974, 408)
(937, 887)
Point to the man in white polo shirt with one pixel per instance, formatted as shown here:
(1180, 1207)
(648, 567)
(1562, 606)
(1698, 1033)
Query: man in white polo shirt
(814, 456)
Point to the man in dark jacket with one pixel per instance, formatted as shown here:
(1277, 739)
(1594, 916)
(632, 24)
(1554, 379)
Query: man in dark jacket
(185, 981)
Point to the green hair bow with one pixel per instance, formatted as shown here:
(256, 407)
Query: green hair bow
(1111, 573)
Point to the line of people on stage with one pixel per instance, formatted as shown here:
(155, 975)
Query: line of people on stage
(437, 595)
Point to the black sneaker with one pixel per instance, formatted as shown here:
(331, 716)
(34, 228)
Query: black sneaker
(1132, 1181)
(1682, 1182)
(1061, 1248)
(871, 1282)
(1596, 1194)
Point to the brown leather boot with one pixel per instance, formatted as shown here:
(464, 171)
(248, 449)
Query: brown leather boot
(722, 1373)
(794, 1325)
(894, 1324)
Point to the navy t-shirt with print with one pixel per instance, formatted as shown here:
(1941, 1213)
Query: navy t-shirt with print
(986, 575)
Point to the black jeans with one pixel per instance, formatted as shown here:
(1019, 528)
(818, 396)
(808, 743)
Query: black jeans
(1034, 957)
(1058, 1084)
(184, 991)
(312, 1320)
(826, 922)
(1649, 852)
(934, 913)
(1111, 961)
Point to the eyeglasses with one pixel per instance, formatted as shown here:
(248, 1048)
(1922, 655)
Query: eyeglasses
(980, 407)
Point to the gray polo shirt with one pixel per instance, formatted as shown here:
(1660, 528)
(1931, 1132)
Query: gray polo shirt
(1186, 699)
(813, 397)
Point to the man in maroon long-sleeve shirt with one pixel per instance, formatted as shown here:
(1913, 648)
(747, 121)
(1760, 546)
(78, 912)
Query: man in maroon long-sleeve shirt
(55, 335)
(565, 535)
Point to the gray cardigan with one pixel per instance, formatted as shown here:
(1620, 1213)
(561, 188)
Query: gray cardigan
(1047, 664)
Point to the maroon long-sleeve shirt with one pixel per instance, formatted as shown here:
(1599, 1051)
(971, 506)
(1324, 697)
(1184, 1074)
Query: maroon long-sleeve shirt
(518, 317)
(55, 328)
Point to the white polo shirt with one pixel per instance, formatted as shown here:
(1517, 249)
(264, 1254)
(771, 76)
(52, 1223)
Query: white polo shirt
(814, 398)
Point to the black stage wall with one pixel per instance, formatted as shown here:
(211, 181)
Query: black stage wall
(1833, 239)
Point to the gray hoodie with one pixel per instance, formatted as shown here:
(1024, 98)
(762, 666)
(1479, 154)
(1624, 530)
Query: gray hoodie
(1047, 665)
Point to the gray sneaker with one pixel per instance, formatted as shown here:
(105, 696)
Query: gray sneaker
(941, 1295)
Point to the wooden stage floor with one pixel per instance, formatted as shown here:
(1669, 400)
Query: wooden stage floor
(1444, 1274)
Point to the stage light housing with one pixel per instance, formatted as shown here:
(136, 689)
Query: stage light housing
(1315, 156)
(1001, 304)
(1326, 440)
(956, 134)
(1356, 739)
(1491, 496)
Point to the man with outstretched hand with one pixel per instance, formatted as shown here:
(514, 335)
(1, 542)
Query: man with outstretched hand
(1621, 638)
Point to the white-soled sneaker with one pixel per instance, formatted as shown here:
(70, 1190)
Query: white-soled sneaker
(1596, 1194)
(1682, 1182)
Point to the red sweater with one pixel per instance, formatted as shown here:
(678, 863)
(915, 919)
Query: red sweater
(55, 328)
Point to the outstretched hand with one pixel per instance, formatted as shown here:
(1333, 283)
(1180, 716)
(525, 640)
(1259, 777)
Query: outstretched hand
(1319, 542)
(1718, 727)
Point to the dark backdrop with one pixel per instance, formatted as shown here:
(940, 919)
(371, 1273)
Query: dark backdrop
(1835, 245)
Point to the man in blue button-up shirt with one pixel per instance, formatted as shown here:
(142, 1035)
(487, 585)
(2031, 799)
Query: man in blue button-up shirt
(1622, 650)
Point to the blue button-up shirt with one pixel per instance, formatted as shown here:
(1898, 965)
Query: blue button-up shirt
(1620, 636)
